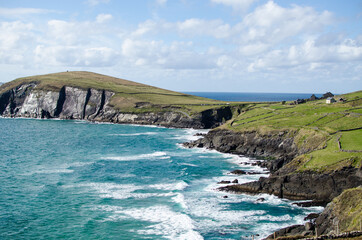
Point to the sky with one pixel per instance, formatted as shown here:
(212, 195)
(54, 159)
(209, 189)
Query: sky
(292, 46)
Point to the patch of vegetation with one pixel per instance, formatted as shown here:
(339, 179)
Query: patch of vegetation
(330, 158)
(347, 207)
(316, 127)
(352, 140)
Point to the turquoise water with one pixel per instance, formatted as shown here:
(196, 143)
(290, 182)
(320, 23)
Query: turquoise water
(79, 180)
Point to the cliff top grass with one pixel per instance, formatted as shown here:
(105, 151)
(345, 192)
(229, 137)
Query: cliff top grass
(331, 133)
(127, 93)
(347, 208)
(313, 114)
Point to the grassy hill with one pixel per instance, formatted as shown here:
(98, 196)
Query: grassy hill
(129, 96)
(333, 130)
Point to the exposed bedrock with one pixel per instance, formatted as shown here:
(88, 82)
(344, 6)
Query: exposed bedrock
(279, 149)
(94, 105)
(321, 188)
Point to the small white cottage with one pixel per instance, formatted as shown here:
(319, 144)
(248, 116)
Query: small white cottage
(330, 100)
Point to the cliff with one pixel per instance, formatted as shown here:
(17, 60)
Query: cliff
(342, 215)
(93, 97)
(282, 155)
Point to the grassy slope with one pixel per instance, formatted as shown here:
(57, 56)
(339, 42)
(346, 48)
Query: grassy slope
(348, 209)
(316, 125)
(127, 93)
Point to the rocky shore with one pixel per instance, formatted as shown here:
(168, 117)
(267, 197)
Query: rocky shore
(95, 105)
(277, 150)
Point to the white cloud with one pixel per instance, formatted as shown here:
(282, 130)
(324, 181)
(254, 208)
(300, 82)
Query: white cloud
(71, 56)
(161, 2)
(102, 18)
(189, 28)
(96, 2)
(198, 27)
(308, 54)
(16, 12)
(16, 39)
(237, 5)
(177, 55)
(271, 23)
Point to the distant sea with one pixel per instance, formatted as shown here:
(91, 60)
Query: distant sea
(253, 97)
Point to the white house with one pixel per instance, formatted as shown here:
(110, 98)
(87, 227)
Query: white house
(330, 100)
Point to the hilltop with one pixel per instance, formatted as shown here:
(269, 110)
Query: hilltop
(96, 97)
(127, 94)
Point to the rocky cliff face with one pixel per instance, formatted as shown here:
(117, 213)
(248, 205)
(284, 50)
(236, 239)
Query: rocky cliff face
(321, 188)
(342, 215)
(279, 149)
(94, 105)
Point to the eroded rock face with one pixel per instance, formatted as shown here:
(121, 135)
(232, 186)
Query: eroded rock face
(39, 104)
(321, 188)
(284, 182)
(279, 148)
(92, 104)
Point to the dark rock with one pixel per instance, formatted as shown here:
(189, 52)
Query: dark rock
(260, 200)
(294, 230)
(321, 188)
(235, 181)
(311, 216)
(253, 173)
(238, 172)
(200, 134)
(327, 95)
(224, 182)
(309, 226)
(313, 98)
(311, 203)
(225, 196)
(242, 172)
(279, 150)
(299, 101)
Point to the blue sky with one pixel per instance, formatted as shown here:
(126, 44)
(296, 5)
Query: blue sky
(183, 45)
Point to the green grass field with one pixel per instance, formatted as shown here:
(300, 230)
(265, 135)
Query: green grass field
(318, 127)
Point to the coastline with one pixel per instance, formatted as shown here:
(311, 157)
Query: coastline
(306, 189)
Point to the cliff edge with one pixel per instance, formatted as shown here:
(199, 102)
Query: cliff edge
(95, 97)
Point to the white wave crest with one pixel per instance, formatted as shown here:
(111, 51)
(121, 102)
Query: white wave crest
(159, 155)
(134, 134)
(170, 186)
(169, 224)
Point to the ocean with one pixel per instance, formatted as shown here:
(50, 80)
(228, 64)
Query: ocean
(62, 179)
(253, 97)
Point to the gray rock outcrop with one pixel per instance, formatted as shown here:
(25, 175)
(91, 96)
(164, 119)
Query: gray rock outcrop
(94, 105)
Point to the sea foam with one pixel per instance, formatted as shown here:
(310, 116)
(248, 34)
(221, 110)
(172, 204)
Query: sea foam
(146, 156)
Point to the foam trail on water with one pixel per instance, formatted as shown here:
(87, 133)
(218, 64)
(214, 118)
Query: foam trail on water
(167, 223)
(170, 186)
(134, 134)
(154, 155)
